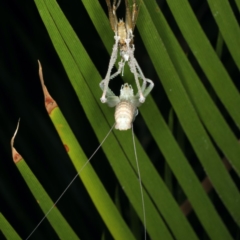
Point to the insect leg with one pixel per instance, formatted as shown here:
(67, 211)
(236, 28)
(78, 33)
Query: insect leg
(121, 65)
(111, 15)
(102, 83)
(116, 5)
(133, 68)
(128, 18)
(112, 99)
(135, 12)
(112, 61)
(145, 90)
(149, 88)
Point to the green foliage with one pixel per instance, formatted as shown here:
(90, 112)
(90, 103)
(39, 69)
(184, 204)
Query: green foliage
(7, 229)
(196, 93)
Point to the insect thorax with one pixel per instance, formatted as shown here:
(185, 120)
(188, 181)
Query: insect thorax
(125, 35)
(122, 32)
(126, 92)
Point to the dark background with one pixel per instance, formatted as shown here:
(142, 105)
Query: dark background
(23, 41)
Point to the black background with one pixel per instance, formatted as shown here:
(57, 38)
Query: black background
(23, 41)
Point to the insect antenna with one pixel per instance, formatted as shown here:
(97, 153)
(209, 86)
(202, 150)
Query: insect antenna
(140, 184)
(68, 186)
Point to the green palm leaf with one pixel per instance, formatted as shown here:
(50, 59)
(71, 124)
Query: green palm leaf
(202, 98)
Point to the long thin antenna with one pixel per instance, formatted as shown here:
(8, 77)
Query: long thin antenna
(78, 172)
(140, 184)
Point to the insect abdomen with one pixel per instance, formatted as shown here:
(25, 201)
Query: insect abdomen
(124, 115)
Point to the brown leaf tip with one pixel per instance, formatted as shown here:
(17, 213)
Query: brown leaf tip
(50, 103)
(15, 155)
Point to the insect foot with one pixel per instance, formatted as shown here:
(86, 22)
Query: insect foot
(103, 99)
(142, 99)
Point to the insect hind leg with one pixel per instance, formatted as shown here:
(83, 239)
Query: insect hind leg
(120, 69)
(133, 68)
(112, 61)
